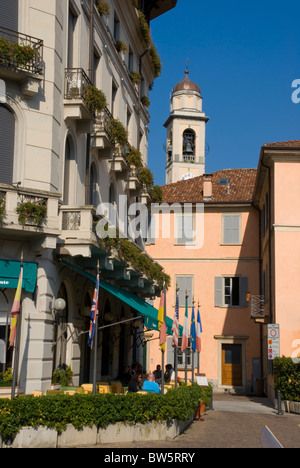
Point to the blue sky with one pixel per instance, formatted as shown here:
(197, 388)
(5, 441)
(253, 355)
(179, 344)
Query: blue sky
(244, 56)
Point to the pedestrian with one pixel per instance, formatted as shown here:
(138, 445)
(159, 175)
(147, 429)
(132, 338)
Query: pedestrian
(150, 385)
(135, 382)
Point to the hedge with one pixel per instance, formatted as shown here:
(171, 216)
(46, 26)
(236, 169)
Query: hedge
(100, 409)
(287, 378)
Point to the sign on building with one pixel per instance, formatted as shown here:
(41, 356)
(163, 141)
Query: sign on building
(273, 341)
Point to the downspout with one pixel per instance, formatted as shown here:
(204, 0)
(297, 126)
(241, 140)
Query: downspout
(90, 74)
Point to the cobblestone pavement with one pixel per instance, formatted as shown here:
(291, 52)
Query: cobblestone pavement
(235, 422)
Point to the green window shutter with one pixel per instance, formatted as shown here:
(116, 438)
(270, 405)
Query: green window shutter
(219, 292)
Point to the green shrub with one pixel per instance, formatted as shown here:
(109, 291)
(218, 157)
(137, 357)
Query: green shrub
(100, 410)
(287, 378)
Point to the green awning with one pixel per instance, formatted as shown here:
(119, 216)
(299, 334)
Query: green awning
(142, 308)
(10, 272)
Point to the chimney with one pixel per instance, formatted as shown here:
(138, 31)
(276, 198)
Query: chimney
(207, 187)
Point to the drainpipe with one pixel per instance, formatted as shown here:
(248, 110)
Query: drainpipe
(90, 74)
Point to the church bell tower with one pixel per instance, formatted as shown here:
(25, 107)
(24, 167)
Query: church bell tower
(185, 132)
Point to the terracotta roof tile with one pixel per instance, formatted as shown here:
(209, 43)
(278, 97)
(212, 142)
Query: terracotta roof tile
(291, 143)
(239, 189)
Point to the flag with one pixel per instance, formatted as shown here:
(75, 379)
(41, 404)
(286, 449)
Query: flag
(16, 309)
(161, 311)
(185, 333)
(94, 313)
(193, 330)
(198, 332)
(161, 323)
(175, 326)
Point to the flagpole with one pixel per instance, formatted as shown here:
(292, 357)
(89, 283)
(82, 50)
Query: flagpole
(96, 341)
(193, 352)
(17, 339)
(186, 349)
(176, 350)
(162, 351)
(198, 353)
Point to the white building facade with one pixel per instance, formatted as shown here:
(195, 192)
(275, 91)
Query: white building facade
(65, 148)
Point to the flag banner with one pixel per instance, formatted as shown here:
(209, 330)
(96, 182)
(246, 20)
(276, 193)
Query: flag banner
(163, 337)
(94, 312)
(198, 332)
(175, 326)
(161, 311)
(185, 333)
(193, 330)
(161, 323)
(16, 310)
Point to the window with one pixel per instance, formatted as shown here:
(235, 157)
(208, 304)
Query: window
(151, 230)
(231, 229)
(7, 144)
(231, 291)
(188, 143)
(185, 288)
(184, 357)
(185, 229)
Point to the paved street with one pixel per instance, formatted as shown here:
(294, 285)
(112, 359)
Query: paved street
(235, 422)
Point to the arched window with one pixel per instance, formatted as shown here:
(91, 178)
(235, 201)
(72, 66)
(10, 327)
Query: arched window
(188, 143)
(69, 157)
(7, 144)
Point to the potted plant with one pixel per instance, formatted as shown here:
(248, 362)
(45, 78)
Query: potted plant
(94, 99)
(2, 209)
(145, 101)
(134, 157)
(145, 176)
(117, 132)
(103, 8)
(157, 194)
(31, 212)
(135, 78)
(62, 376)
(121, 47)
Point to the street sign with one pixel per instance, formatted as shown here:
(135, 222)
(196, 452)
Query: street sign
(273, 341)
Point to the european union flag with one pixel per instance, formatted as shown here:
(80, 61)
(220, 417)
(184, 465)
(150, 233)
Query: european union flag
(193, 330)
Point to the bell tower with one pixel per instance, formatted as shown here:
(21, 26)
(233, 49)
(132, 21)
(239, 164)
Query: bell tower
(185, 132)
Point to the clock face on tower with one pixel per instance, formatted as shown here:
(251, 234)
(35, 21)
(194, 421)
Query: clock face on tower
(187, 175)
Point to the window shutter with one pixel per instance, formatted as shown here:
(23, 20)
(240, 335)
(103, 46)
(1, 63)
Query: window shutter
(243, 291)
(185, 285)
(151, 229)
(7, 145)
(9, 14)
(219, 293)
(185, 229)
(231, 229)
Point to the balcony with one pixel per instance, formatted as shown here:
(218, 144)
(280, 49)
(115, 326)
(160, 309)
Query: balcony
(79, 240)
(100, 137)
(19, 216)
(75, 108)
(21, 56)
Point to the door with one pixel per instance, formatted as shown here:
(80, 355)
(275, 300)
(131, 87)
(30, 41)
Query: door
(232, 365)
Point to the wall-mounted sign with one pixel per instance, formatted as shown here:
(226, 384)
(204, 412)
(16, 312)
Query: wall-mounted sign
(273, 341)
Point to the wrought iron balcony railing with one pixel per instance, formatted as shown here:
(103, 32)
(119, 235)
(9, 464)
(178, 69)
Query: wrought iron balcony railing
(20, 52)
(76, 81)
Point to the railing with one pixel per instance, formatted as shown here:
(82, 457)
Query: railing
(101, 124)
(20, 52)
(18, 209)
(188, 158)
(257, 307)
(76, 81)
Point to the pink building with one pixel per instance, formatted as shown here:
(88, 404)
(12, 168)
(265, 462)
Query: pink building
(230, 241)
(216, 266)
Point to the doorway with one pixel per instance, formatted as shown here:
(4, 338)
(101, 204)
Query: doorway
(232, 374)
